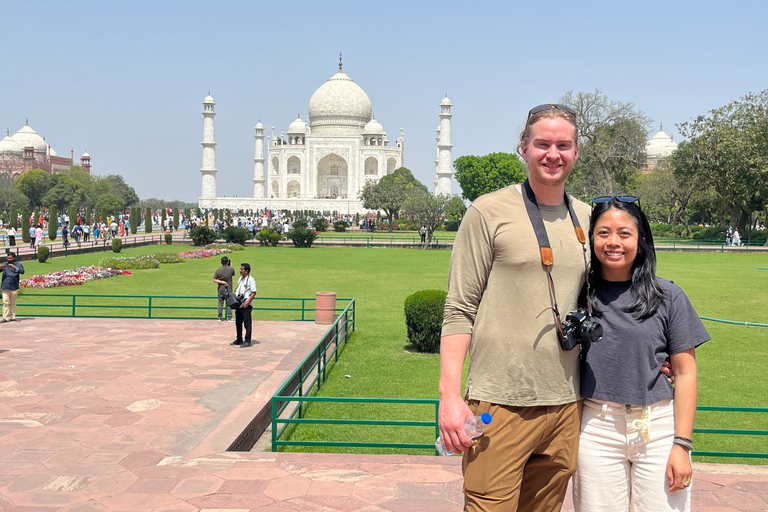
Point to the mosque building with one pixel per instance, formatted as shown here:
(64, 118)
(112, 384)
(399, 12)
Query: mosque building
(658, 147)
(324, 164)
(26, 149)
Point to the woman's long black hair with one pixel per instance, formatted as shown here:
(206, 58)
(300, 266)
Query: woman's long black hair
(647, 295)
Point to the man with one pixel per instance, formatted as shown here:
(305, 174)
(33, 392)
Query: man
(32, 236)
(77, 232)
(113, 228)
(10, 286)
(499, 310)
(423, 233)
(245, 292)
(223, 277)
(10, 233)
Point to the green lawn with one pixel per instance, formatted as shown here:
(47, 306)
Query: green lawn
(379, 361)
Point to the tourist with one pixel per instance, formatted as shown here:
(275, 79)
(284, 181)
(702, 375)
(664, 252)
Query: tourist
(498, 311)
(223, 277)
(65, 235)
(423, 233)
(736, 237)
(38, 235)
(10, 286)
(113, 228)
(635, 443)
(10, 233)
(245, 292)
(86, 232)
(32, 236)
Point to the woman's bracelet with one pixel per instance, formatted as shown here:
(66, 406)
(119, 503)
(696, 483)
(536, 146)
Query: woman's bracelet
(684, 439)
(684, 443)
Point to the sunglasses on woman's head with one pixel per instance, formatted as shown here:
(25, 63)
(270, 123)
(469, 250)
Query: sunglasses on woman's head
(623, 199)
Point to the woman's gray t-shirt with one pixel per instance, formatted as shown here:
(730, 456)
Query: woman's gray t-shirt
(625, 365)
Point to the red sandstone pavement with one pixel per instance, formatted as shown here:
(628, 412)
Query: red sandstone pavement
(136, 415)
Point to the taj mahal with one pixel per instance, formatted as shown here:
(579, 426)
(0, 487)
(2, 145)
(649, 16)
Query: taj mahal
(324, 164)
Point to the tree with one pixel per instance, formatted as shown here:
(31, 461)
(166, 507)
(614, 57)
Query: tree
(148, 221)
(390, 192)
(162, 220)
(10, 197)
(135, 219)
(12, 217)
(478, 175)
(175, 218)
(11, 163)
(69, 187)
(25, 225)
(34, 184)
(53, 222)
(612, 137)
(109, 204)
(72, 216)
(729, 151)
(455, 209)
(426, 209)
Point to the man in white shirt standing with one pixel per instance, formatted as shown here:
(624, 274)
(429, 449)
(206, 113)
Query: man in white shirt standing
(245, 292)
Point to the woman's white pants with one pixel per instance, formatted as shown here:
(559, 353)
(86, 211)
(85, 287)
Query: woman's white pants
(623, 452)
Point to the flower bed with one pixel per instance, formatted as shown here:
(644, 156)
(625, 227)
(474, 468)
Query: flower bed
(77, 276)
(143, 261)
(203, 253)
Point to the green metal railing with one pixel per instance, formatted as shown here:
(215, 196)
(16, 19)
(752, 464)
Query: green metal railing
(153, 306)
(291, 419)
(728, 431)
(705, 245)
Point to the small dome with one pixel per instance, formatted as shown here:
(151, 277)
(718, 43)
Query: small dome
(28, 137)
(446, 102)
(86, 155)
(209, 100)
(8, 144)
(53, 152)
(660, 145)
(298, 126)
(339, 102)
(373, 128)
(259, 126)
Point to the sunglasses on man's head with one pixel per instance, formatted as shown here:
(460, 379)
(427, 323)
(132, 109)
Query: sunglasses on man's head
(623, 199)
(547, 106)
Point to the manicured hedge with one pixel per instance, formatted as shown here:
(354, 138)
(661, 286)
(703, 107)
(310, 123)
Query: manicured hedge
(424, 319)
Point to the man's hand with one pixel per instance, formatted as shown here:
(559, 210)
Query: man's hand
(453, 414)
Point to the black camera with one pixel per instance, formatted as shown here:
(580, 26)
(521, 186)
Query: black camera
(579, 327)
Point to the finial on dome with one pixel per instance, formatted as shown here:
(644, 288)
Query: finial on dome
(661, 127)
(340, 61)
(7, 132)
(27, 121)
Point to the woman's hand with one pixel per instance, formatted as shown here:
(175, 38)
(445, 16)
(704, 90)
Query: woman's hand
(679, 471)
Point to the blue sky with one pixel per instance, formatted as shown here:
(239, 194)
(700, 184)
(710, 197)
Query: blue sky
(125, 81)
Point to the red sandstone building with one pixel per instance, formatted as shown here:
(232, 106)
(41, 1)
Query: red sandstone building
(26, 150)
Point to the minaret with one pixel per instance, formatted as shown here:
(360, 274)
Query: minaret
(437, 155)
(209, 149)
(258, 167)
(444, 173)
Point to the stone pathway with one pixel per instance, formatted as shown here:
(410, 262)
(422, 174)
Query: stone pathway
(136, 415)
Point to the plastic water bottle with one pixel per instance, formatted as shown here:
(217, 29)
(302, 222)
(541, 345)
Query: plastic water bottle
(474, 427)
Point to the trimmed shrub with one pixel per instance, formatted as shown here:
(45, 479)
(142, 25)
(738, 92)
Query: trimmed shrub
(42, 253)
(320, 224)
(88, 215)
(72, 216)
(299, 223)
(117, 245)
(302, 237)
(168, 238)
(340, 226)
(202, 235)
(451, 225)
(12, 217)
(175, 218)
(268, 236)
(162, 220)
(135, 219)
(235, 235)
(53, 222)
(148, 221)
(25, 225)
(424, 319)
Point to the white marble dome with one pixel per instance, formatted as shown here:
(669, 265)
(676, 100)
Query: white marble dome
(660, 145)
(298, 126)
(28, 137)
(446, 102)
(7, 144)
(209, 100)
(373, 128)
(339, 103)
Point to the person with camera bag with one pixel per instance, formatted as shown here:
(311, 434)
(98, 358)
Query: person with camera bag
(635, 443)
(518, 262)
(245, 292)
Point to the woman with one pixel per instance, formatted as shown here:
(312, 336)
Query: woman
(634, 449)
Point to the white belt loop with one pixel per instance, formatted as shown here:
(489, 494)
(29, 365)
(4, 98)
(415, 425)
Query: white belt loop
(604, 411)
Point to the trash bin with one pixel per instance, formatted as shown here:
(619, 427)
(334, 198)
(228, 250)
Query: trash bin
(325, 307)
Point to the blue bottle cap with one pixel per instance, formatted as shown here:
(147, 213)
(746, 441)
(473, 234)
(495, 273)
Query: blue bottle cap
(486, 418)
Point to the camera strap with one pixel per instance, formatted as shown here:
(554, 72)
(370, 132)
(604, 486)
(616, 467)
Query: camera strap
(545, 249)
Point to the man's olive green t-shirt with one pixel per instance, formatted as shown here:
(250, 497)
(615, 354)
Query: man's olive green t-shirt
(498, 291)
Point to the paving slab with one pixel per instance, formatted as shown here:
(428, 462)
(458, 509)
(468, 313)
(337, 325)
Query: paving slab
(137, 415)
